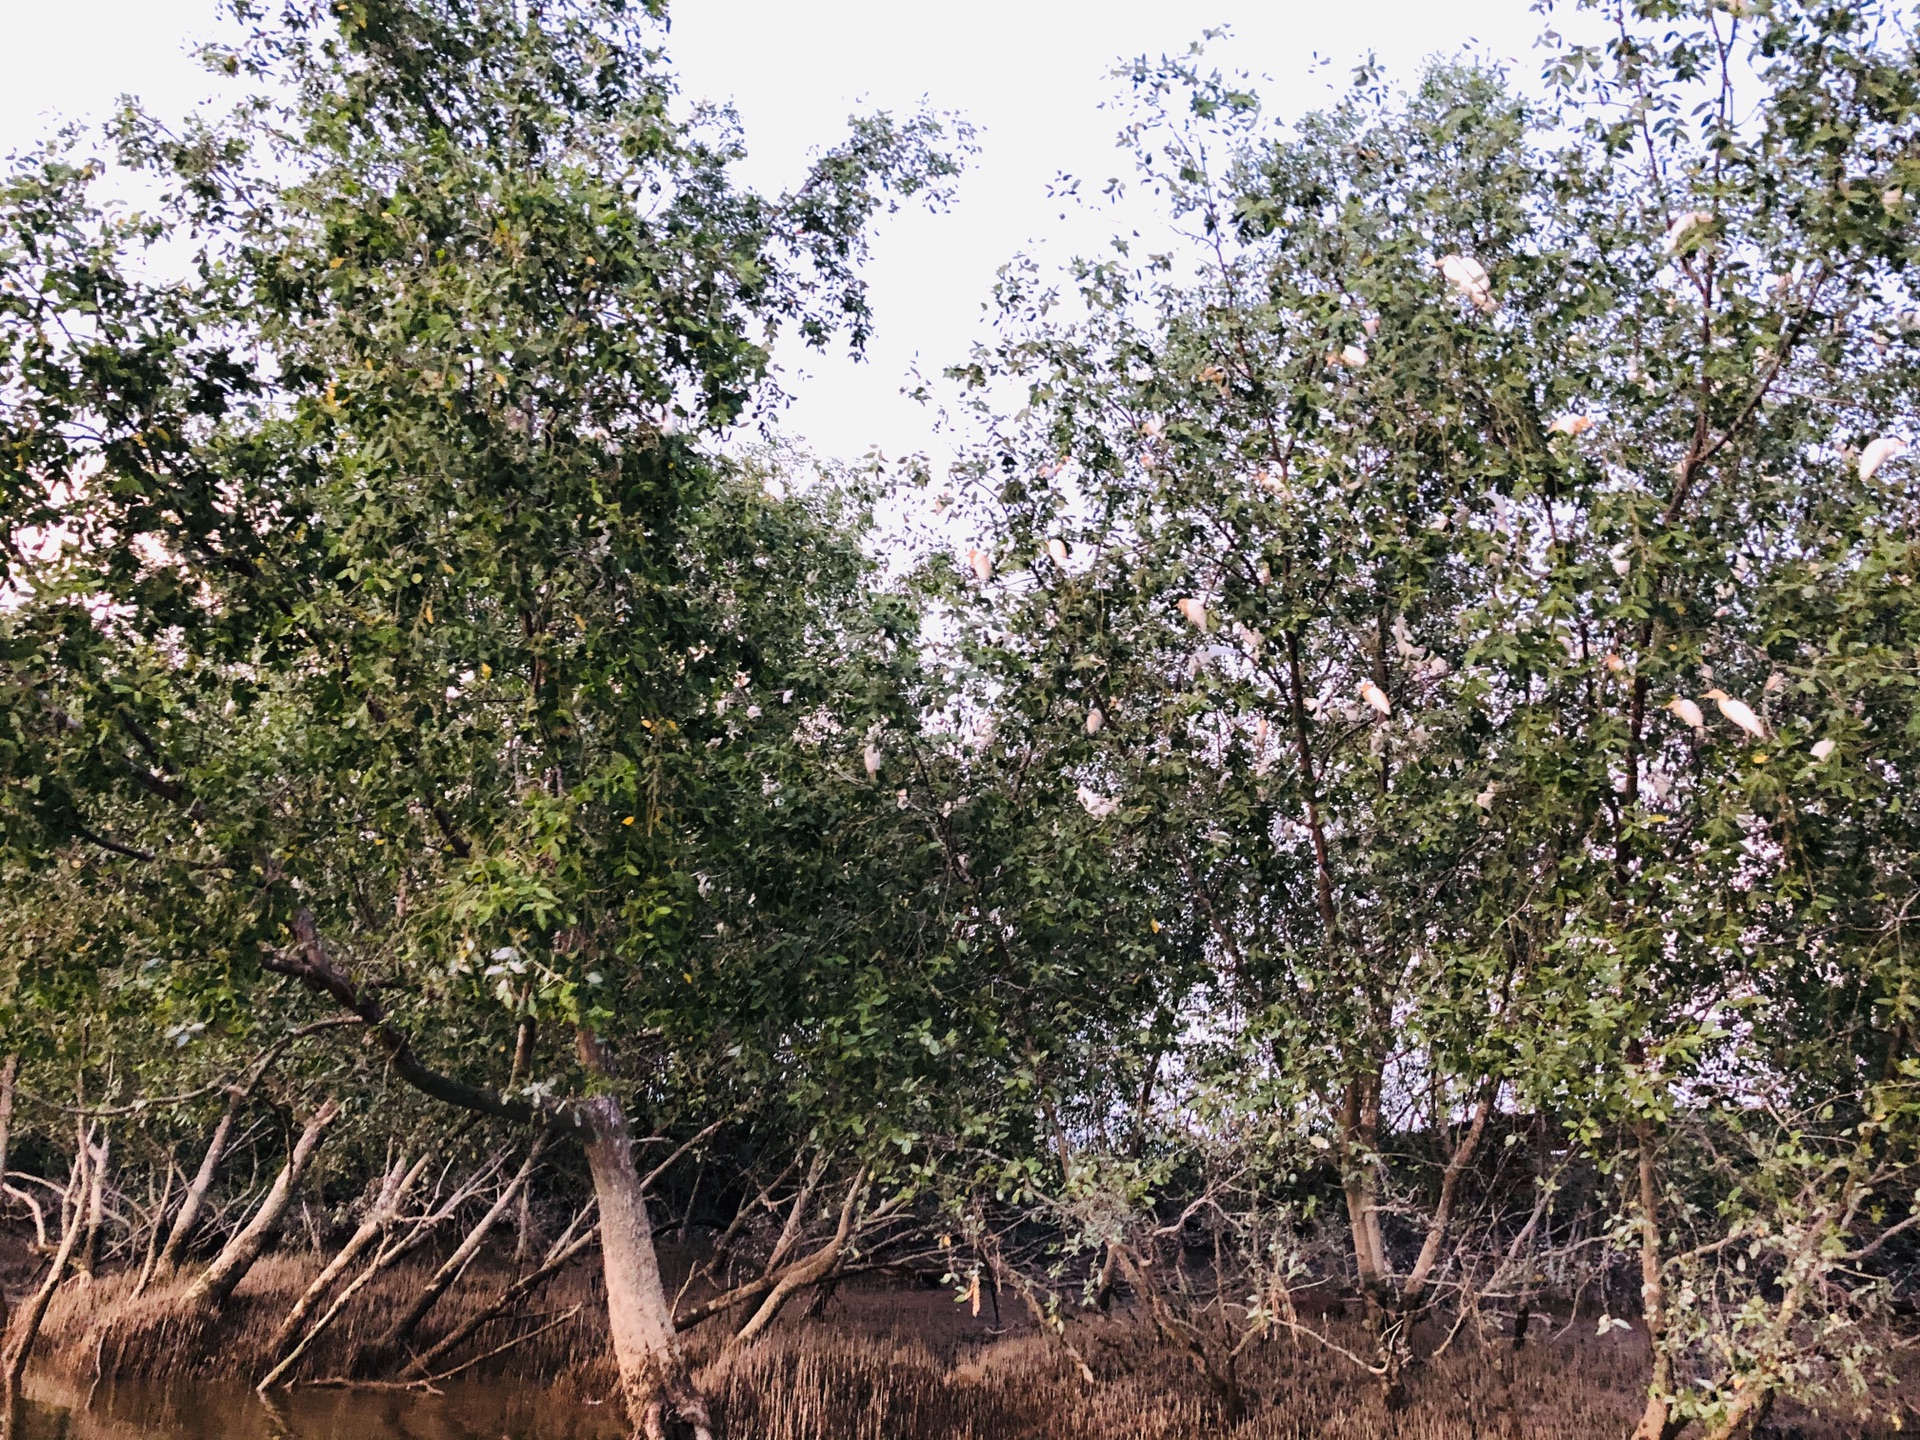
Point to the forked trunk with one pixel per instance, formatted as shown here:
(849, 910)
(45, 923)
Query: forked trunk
(213, 1285)
(662, 1399)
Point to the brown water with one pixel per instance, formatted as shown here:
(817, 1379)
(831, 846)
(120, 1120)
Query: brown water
(486, 1410)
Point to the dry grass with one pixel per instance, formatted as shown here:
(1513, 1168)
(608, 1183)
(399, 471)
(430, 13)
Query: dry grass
(882, 1364)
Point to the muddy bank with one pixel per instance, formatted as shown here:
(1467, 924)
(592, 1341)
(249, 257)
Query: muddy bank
(878, 1363)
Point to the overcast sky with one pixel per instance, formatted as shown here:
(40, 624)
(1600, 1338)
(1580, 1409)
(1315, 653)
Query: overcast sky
(1031, 74)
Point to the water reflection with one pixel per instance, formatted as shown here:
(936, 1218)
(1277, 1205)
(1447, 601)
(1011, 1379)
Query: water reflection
(481, 1410)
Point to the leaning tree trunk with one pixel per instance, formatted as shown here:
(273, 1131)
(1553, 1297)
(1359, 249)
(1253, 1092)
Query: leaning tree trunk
(216, 1283)
(662, 1399)
(14, 1363)
(195, 1200)
(381, 1215)
(462, 1256)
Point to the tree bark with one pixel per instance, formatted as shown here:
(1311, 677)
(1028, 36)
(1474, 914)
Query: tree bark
(661, 1397)
(394, 1186)
(212, 1287)
(9, 1073)
(195, 1199)
(15, 1360)
(457, 1262)
(89, 1255)
(1657, 1421)
(1360, 1134)
(810, 1271)
(1414, 1291)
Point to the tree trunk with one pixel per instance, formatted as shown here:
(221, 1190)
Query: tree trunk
(195, 1199)
(662, 1399)
(1414, 1291)
(1657, 1421)
(9, 1073)
(457, 1262)
(558, 1258)
(89, 1255)
(15, 1360)
(379, 1219)
(212, 1287)
(810, 1271)
(153, 1233)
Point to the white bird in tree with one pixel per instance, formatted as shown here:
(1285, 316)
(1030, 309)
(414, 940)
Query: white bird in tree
(982, 564)
(1096, 717)
(1470, 278)
(1739, 712)
(1095, 804)
(1689, 713)
(1878, 452)
(1353, 357)
(873, 759)
(1678, 231)
(1195, 611)
(1822, 749)
(1376, 697)
(1057, 548)
(1571, 425)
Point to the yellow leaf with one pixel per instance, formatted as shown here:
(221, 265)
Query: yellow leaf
(627, 821)
(336, 262)
(1156, 926)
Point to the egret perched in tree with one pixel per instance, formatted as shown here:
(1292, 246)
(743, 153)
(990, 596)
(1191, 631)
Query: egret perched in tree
(1095, 804)
(1096, 717)
(1057, 548)
(873, 759)
(1571, 425)
(1678, 231)
(1688, 712)
(1739, 713)
(1878, 452)
(1195, 612)
(1376, 697)
(1822, 749)
(1469, 277)
(982, 564)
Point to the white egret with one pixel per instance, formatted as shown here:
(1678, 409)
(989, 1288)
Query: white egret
(1878, 452)
(1469, 277)
(1678, 231)
(1739, 712)
(1095, 804)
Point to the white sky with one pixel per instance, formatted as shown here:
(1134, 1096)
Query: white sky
(1031, 74)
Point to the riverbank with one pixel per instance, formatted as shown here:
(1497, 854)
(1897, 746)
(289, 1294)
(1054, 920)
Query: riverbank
(879, 1362)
